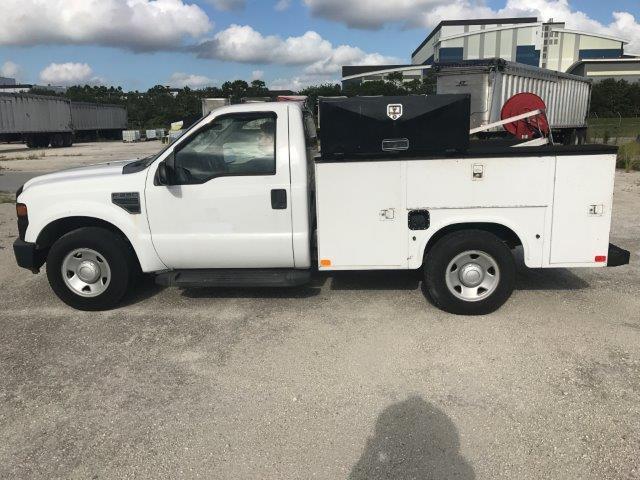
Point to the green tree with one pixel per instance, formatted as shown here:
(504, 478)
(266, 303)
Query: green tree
(324, 90)
(235, 90)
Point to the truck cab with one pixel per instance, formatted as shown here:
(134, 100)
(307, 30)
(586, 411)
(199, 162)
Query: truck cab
(240, 197)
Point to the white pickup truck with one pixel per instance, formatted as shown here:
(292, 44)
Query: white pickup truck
(244, 199)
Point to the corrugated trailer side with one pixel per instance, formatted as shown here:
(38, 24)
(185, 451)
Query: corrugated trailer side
(492, 82)
(85, 116)
(566, 96)
(24, 114)
(96, 116)
(112, 117)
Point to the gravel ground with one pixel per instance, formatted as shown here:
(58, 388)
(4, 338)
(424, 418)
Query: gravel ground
(356, 376)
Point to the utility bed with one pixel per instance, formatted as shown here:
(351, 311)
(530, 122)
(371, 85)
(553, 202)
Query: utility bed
(555, 199)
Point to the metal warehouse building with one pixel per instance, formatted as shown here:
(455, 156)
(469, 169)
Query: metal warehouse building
(524, 40)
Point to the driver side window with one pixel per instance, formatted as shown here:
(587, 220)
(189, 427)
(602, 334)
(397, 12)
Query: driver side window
(239, 144)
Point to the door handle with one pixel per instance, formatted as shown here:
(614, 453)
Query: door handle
(279, 199)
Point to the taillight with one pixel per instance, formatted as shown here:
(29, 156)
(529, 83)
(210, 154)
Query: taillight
(21, 210)
(601, 258)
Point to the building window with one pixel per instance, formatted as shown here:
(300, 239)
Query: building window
(451, 54)
(528, 55)
(601, 53)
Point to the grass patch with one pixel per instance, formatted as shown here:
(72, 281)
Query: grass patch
(36, 155)
(6, 197)
(612, 128)
(629, 156)
(31, 156)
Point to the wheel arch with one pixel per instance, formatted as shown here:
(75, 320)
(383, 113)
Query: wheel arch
(503, 232)
(57, 228)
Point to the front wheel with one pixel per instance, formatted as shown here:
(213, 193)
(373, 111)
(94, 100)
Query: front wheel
(90, 268)
(470, 272)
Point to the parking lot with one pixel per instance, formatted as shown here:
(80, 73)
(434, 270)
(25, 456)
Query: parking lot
(355, 376)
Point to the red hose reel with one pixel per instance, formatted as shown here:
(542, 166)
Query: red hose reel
(526, 128)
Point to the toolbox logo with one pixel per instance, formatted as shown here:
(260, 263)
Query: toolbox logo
(394, 111)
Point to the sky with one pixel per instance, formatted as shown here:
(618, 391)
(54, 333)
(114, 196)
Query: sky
(137, 44)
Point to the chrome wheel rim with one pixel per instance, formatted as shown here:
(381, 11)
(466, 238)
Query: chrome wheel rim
(86, 272)
(472, 275)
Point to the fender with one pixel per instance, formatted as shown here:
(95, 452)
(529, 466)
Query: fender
(527, 224)
(134, 227)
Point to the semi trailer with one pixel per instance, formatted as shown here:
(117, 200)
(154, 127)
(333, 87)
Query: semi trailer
(41, 121)
(491, 82)
(243, 198)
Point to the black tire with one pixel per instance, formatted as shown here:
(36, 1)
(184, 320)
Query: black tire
(42, 140)
(436, 265)
(114, 250)
(57, 140)
(67, 140)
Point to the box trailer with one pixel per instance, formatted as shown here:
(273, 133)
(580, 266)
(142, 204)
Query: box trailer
(37, 119)
(492, 82)
(93, 119)
(41, 120)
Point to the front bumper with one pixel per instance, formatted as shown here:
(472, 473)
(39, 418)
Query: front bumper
(617, 256)
(28, 255)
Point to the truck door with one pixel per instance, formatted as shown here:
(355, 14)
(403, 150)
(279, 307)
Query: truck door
(230, 207)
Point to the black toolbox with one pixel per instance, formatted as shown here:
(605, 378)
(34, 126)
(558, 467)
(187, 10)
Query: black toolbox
(403, 125)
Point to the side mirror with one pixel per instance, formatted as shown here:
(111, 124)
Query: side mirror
(162, 176)
(165, 172)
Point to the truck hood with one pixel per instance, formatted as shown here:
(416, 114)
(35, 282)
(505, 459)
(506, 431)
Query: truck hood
(88, 172)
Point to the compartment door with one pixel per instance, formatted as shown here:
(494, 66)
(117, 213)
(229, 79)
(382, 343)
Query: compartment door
(582, 202)
(362, 220)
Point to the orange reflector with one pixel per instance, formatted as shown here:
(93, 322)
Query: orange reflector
(21, 210)
(601, 258)
(325, 262)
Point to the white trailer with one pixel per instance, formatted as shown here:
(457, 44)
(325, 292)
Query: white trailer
(492, 82)
(211, 104)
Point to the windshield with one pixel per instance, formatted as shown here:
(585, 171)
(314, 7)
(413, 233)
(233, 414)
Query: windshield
(142, 163)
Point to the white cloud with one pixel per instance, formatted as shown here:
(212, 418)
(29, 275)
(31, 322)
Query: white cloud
(257, 74)
(228, 5)
(375, 14)
(282, 5)
(298, 83)
(241, 43)
(11, 69)
(138, 25)
(347, 55)
(181, 80)
(68, 74)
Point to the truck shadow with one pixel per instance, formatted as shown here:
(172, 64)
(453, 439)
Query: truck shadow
(372, 280)
(413, 439)
(545, 278)
(406, 280)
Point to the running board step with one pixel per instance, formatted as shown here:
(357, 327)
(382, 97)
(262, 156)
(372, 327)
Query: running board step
(234, 277)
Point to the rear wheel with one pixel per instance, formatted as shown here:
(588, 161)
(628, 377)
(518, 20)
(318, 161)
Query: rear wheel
(57, 140)
(67, 140)
(90, 268)
(470, 272)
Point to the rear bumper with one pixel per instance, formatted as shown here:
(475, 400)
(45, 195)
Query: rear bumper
(28, 255)
(617, 256)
